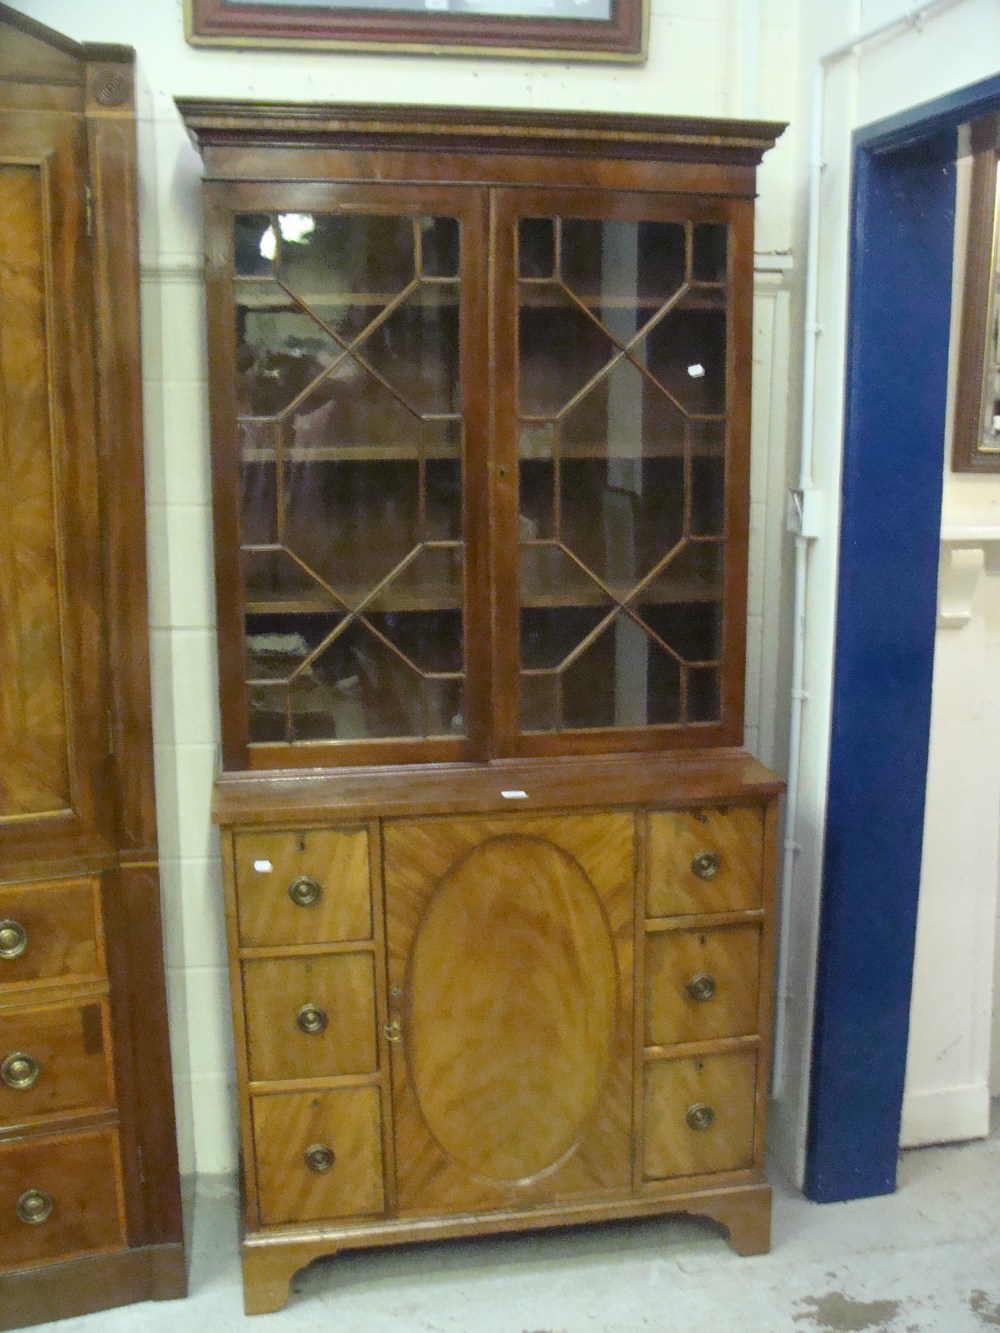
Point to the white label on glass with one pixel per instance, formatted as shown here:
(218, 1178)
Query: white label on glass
(514, 795)
(263, 867)
(697, 371)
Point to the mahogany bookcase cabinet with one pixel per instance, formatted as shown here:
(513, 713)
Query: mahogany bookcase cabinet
(90, 1201)
(499, 877)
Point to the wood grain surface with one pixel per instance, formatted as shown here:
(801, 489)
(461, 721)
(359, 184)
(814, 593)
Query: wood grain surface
(62, 920)
(510, 961)
(268, 863)
(82, 1174)
(725, 1083)
(735, 835)
(345, 1121)
(34, 758)
(729, 956)
(276, 989)
(71, 1044)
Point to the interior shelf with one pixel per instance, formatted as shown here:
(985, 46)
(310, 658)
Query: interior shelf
(661, 592)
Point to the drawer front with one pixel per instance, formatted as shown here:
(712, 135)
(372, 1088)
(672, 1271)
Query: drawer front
(699, 1115)
(701, 984)
(319, 1155)
(704, 861)
(60, 1197)
(310, 1017)
(303, 888)
(49, 932)
(54, 1059)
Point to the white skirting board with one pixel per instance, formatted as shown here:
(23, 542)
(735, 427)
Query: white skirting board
(946, 1115)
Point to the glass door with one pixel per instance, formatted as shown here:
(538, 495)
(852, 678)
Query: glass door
(352, 331)
(618, 472)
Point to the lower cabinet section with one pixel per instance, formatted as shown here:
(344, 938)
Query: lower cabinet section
(60, 1198)
(482, 1021)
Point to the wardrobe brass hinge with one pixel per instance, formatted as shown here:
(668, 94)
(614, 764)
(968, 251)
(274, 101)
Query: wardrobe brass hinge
(88, 205)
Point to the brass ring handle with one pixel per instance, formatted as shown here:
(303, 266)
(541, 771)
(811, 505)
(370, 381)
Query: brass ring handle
(319, 1157)
(701, 987)
(705, 865)
(34, 1207)
(700, 1116)
(13, 939)
(311, 1019)
(304, 892)
(20, 1071)
(394, 1030)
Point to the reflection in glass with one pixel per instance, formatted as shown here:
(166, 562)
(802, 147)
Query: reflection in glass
(622, 393)
(709, 252)
(351, 438)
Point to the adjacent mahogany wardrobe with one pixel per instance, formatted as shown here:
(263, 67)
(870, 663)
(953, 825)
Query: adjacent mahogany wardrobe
(89, 1190)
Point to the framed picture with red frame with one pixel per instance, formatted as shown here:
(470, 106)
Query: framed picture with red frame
(613, 30)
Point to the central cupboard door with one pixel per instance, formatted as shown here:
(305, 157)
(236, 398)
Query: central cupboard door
(510, 951)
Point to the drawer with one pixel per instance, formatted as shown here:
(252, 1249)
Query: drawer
(50, 932)
(60, 1196)
(310, 1017)
(310, 887)
(699, 1114)
(704, 861)
(319, 1155)
(701, 984)
(53, 1059)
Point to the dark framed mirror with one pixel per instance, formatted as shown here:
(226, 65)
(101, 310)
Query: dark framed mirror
(976, 439)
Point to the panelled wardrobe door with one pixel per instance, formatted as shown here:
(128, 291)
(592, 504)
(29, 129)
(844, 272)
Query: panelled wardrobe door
(89, 1195)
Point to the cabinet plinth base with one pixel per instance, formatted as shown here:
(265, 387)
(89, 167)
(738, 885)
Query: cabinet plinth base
(271, 1260)
(94, 1282)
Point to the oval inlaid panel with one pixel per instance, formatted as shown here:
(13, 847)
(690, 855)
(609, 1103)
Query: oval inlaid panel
(511, 1008)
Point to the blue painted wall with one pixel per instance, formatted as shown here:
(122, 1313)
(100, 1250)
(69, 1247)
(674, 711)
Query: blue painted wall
(900, 303)
(897, 355)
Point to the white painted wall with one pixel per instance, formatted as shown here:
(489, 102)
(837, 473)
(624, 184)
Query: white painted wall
(701, 61)
(958, 46)
(947, 1093)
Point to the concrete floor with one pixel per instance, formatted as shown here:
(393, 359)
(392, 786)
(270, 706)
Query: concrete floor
(924, 1260)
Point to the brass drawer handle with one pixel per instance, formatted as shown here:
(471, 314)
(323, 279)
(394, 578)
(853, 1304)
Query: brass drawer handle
(394, 1030)
(700, 1116)
(319, 1157)
(34, 1207)
(701, 987)
(20, 1071)
(705, 865)
(13, 939)
(311, 1019)
(304, 892)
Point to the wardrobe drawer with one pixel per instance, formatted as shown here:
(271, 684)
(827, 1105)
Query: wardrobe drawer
(312, 1017)
(60, 1196)
(308, 887)
(701, 984)
(54, 1059)
(704, 861)
(699, 1114)
(50, 932)
(319, 1154)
